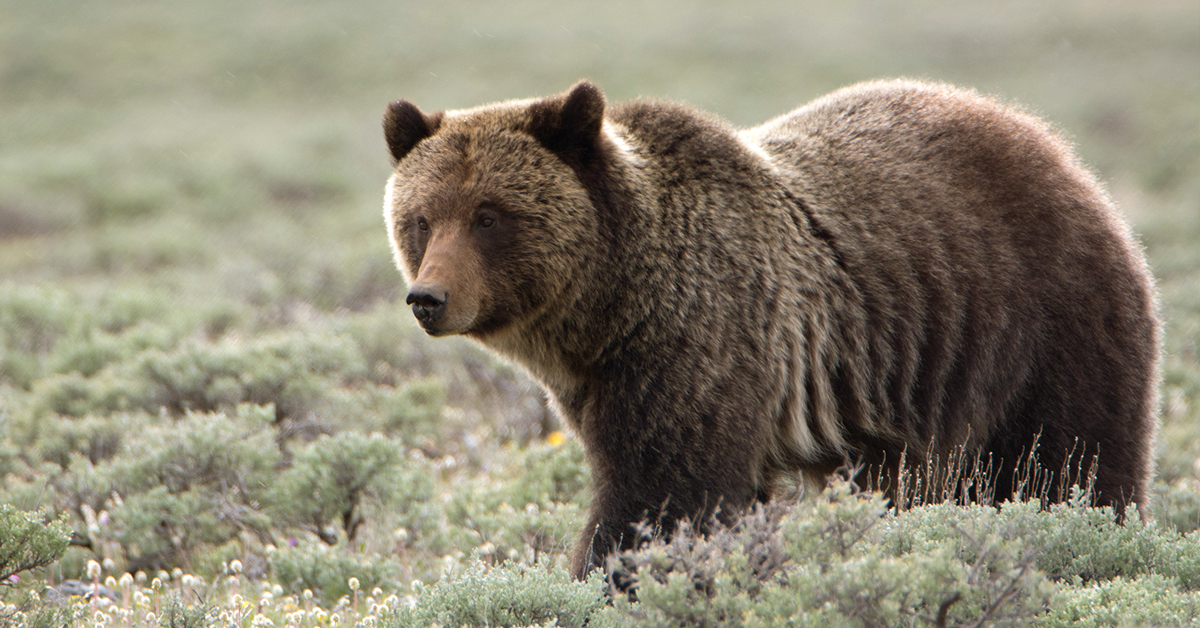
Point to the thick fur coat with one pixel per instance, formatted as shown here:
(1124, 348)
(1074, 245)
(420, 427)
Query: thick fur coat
(895, 270)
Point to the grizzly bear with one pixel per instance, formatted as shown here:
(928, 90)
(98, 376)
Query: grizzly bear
(892, 272)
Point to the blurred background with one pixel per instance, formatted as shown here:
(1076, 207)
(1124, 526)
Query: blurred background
(190, 199)
(172, 133)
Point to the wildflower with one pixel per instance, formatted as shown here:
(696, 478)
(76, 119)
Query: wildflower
(235, 566)
(109, 564)
(556, 438)
(93, 569)
(89, 519)
(353, 582)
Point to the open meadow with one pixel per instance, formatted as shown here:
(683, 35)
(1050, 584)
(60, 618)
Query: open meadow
(210, 386)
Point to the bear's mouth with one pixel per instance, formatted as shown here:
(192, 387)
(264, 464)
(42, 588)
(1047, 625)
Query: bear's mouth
(432, 330)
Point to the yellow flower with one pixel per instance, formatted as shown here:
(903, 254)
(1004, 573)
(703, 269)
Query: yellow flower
(557, 437)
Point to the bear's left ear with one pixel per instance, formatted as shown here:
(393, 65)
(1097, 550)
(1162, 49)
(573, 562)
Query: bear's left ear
(404, 125)
(569, 123)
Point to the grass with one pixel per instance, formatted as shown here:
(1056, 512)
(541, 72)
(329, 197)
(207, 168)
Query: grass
(199, 313)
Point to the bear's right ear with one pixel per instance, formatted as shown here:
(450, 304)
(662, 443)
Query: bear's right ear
(404, 125)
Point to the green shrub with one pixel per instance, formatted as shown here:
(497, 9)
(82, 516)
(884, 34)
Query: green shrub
(1076, 543)
(29, 541)
(1177, 504)
(291, 371)
(832, 560)
(96, 438)
(326, 570)
(412, 408)
(507, 595)
(522, 519)
(32, 320)
(179, 613)
(191, 483)
(1147, 600)
(75, 395)
(331, 477)
(32, 612)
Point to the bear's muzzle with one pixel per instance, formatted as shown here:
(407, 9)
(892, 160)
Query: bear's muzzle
(428, 304)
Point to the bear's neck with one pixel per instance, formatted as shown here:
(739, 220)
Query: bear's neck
(663, 258)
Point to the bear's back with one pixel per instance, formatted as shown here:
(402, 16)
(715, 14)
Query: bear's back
(999, 285)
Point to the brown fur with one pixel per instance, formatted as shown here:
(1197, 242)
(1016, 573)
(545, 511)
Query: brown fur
(896, 267)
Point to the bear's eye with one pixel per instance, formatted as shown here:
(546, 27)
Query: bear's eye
(486, 221)
(422, 225)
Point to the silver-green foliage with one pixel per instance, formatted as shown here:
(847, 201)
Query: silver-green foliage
(29, 541)
(510, 594)
(844, 559)
(327, 570)
(330, 478)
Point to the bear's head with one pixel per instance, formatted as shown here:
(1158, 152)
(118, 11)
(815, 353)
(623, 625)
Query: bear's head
(489, 219)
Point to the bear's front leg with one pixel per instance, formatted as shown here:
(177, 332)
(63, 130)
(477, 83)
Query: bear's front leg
(649, 490)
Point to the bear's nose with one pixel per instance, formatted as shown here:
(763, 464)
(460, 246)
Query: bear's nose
(428, 302)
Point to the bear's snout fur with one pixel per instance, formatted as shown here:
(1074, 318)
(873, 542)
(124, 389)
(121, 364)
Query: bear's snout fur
(896, 271)
(446, 293)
